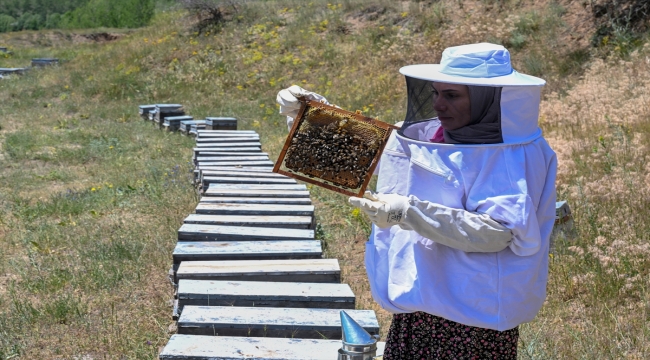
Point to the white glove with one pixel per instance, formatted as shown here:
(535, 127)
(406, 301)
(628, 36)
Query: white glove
(384, 210)
(289, 103)
(457, 228)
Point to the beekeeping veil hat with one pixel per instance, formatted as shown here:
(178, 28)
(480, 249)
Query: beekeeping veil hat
(477, 65)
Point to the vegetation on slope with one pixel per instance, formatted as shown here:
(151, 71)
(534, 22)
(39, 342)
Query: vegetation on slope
(91, 196)
(16, 15)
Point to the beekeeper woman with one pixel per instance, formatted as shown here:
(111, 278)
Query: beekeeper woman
(464, 209)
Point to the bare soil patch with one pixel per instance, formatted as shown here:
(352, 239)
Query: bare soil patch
(55, 38)
(101, 37)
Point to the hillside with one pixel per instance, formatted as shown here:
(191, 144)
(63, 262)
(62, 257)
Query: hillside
(91, 196)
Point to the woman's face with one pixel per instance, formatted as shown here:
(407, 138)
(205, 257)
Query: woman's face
(451, 102)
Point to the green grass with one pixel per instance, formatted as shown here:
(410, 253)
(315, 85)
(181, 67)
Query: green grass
(91, 196)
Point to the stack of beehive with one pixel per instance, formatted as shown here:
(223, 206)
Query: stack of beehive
(172, 117)
(249, 275)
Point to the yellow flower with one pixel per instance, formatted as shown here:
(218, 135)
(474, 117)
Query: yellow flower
(356, 212)
(262, 105)
(93, 189)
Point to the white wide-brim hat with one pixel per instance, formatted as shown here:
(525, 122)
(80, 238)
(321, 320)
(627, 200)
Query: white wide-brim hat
(481, 64)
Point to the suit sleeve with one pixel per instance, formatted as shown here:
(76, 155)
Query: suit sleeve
(456, 228)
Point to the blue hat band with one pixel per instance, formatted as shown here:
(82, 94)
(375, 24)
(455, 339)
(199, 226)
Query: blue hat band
(486, 64)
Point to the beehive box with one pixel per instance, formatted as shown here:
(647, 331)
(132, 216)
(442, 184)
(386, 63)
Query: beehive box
(333, 148)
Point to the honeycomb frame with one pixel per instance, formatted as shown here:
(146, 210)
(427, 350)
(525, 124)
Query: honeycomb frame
(333, 148)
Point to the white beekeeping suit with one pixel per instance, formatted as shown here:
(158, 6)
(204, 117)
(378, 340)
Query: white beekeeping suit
(465, 228)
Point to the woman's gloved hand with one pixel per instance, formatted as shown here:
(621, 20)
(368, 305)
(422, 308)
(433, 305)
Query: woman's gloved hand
(384, 210)
(289, 102)
(456, 228)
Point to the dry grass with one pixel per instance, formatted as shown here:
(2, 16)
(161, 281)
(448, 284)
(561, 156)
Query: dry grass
(598, 294)
(91, 196)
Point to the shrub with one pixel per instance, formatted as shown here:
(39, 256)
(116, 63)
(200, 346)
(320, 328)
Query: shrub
(209, 13)
(110, 13)
(16, 15)
(620, 23)
(6, 22)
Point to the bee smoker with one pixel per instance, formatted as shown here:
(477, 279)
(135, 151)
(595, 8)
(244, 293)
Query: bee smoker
(357, 343)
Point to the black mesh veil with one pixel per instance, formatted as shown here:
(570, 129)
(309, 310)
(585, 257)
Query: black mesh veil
(485, 115)
(420, 101)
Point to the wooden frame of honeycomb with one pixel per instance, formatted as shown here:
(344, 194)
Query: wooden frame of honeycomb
(333, 148)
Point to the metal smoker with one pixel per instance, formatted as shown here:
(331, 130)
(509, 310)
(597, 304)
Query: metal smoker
(357, 343)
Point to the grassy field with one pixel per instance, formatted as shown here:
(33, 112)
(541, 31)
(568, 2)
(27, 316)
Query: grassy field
(91, 196)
